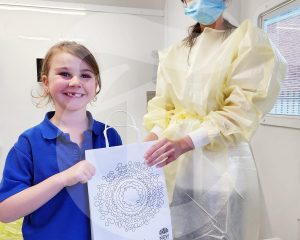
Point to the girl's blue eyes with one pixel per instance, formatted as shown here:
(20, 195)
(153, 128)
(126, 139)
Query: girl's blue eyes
(86, 76)
(68, 75)
(64, 74)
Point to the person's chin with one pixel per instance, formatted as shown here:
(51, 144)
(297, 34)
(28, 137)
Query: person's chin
(74, 107)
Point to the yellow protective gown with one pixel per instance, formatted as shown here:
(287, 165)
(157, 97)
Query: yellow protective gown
(230, 79)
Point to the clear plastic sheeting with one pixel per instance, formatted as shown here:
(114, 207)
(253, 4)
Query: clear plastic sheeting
(210, 202)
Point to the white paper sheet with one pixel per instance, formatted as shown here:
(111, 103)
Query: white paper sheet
(128, 199)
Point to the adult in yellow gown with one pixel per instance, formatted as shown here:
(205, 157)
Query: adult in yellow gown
(212, 90)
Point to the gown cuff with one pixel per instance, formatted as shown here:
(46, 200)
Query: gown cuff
(158, 131)
(199, 137)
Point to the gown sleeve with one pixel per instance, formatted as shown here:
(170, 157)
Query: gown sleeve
(249, 92)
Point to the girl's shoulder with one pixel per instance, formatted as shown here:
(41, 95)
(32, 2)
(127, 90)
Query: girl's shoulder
(99, 127)
(26, 140)
(34, 133)
(113, 136)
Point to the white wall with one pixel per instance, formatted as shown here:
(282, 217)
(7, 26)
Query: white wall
(153, 4)
(276, 149)
(252, 9)
(122, 42)
(277, 152)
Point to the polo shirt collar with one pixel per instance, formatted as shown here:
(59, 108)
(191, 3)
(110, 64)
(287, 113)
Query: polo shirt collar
(50, 131)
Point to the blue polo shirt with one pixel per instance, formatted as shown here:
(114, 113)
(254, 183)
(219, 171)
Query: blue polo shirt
(41, 152)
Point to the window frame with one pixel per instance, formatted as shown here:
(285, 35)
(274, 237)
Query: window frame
(287, 121)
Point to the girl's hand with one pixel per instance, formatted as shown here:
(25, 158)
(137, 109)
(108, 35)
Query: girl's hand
(81, 172)
(165, 151)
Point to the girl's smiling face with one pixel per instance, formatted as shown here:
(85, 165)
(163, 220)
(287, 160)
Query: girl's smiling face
(71, 83)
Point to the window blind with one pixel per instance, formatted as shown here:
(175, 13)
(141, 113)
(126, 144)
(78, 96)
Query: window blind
(283, 29)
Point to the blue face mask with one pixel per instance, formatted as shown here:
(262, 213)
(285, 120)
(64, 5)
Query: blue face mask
(205, 12)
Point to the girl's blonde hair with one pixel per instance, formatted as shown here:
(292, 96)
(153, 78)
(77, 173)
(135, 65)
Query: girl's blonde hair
(75, 49)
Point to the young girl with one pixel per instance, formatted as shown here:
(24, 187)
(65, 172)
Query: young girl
(212, 90)
(45, 174)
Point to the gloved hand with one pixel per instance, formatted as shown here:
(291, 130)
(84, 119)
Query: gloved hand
(165, 151)
(150, 137)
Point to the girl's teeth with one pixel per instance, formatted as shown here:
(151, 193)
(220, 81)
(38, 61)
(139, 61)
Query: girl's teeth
(74, 94)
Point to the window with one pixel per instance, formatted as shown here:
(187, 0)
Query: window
(282, 23)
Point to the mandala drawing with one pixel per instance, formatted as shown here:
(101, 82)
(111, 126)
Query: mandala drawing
(130, 196)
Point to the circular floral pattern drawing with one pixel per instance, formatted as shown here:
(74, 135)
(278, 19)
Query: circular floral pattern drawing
(130, 196)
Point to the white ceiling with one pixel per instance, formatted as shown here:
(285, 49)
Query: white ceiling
(148, 4)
